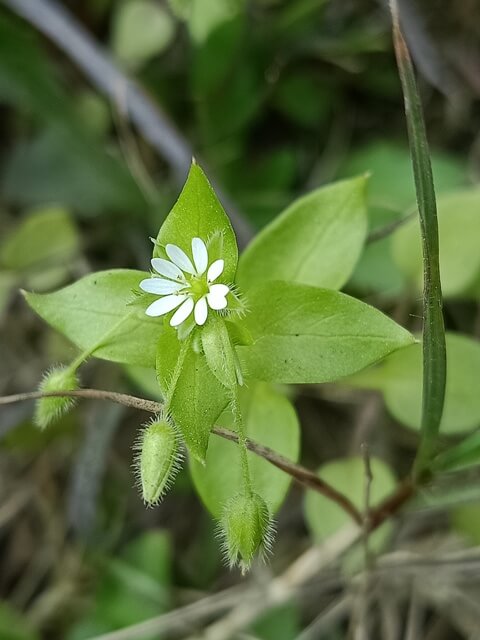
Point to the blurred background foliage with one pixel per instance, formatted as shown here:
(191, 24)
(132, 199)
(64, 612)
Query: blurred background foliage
(276, 98)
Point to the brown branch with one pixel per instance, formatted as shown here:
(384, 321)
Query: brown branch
(303, 476)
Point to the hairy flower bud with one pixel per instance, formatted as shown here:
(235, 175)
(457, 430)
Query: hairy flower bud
(48, 410)
(246, 528)
(159, 459)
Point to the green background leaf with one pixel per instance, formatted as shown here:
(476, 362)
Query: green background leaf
(87, 310)
(141, 29)
(459, 230)
(270, 419)
(307, 335)
(324, 517)
(316, 241)
(399, 378)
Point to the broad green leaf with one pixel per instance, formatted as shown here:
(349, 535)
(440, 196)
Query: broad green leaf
(44, 237)
(269, 419)
(460, 456)
(399, 378)
(87, 310)
(307, 335)
(324, 517)
(198, 398)
(141, 29)
(459, 229)
(316, 241)
(198, 213)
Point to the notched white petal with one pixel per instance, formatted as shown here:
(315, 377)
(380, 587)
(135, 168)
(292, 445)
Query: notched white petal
(167, 269)
(160, 286)
(164, 305)
(180, 258)
(182, 312)
(200, 255)
(201, 311)
(219, 289)
(215, 270)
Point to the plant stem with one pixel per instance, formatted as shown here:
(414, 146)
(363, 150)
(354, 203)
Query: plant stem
(302, 475)
(242, 441)
(434, 348)
(176, 373)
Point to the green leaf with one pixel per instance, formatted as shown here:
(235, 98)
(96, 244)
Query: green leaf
(307, 335)
(270, 419)
(324, 517)
(399, 378)
(141, 30)
(459, 228)
(86, 312)
(219, 352)
(198, 397)
(198, 213)
(316, 241)
(44, 237)
(465, 454)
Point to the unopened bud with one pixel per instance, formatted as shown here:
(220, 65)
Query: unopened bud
(159, 459)
(48, 410)
(246, 528)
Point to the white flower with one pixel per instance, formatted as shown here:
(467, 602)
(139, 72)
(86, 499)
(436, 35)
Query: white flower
(185, 284)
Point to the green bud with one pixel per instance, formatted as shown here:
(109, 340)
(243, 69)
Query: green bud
(246, 528)
(47, 410)
(159, 459)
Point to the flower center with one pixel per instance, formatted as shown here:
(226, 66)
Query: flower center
(198, 287)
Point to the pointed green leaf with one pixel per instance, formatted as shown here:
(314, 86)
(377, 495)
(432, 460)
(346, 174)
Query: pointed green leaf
(87, 310)
(198, 398)
(307, 335)
(316, 241)
(198, 213)
(270, 419)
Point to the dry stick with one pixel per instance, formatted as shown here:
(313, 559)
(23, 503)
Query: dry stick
(300, 474)
(55, 22)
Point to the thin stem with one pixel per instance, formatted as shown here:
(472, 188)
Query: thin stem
(242, 441)
(176, 373)
(434, 348)
(303, 476)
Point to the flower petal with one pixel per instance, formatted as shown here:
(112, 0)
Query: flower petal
(217, 296)
(214, 270)
(219, 290)
(182, 312)
(160, 286)
(180, 258)
(163, 305)
(201, 311)
(200, 255)
(167, 269)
